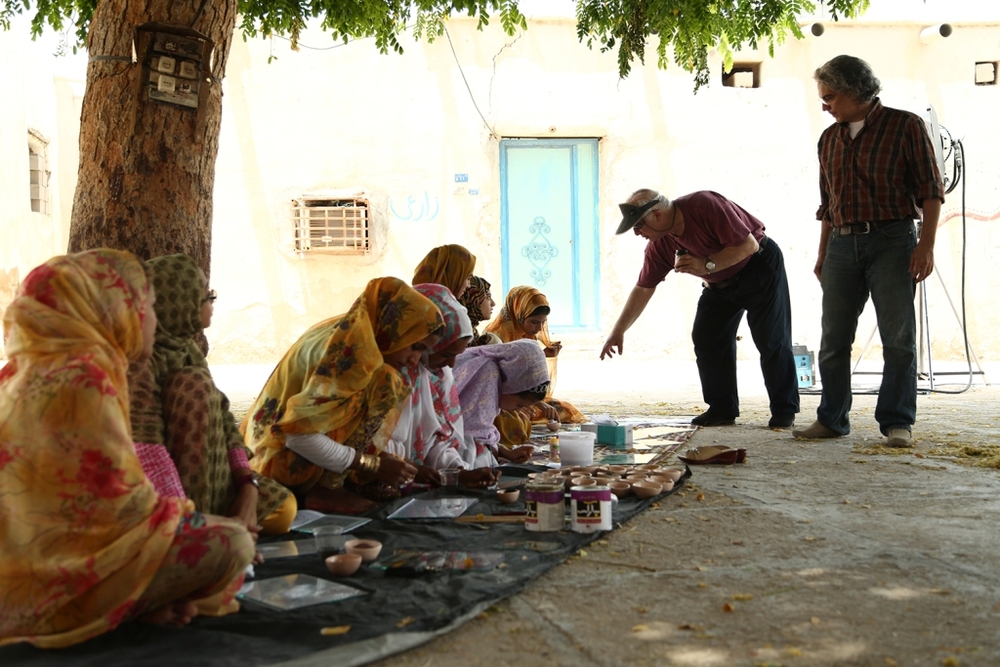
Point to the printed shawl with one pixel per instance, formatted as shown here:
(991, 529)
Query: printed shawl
(333, 380)
(482, 374)
(82, 531)
(448, 265)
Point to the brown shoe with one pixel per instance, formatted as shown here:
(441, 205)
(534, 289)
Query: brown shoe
(814, 431)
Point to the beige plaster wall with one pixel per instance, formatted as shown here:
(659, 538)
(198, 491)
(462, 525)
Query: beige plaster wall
(394, 127)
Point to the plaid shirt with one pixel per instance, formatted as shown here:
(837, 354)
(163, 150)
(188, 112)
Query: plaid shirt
(884, 173)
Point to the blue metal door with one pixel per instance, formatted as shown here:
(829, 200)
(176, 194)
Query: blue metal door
(549, 225)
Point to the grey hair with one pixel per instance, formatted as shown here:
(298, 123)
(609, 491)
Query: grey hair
(645, 195)
(851, 76)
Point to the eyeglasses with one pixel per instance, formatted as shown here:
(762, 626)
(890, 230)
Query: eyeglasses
(211, 296)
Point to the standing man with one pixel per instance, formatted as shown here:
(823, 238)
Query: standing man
(706, 235)
(877, 166)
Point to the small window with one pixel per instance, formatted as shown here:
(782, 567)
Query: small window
(38, 169)
(743, 75)
(986, 74)
(331, 225)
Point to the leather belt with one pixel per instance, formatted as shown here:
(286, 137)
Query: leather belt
(855, 228)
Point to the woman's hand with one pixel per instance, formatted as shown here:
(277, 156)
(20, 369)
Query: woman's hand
(478, 478)
(394, 471)
(516, 455)
(553, 349)
(547, 411)
(427, 475)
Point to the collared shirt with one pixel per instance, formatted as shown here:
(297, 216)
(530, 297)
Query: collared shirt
(884, 173)
(711, 223)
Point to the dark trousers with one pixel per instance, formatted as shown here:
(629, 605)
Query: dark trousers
(760, 290)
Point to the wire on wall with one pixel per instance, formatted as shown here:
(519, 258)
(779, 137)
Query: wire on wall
(493, 133)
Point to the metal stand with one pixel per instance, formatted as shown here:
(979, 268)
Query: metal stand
(925, 371)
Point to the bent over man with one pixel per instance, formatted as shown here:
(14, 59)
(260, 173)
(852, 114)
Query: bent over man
(708, 236)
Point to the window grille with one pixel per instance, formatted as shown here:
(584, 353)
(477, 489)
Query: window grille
(331, 225)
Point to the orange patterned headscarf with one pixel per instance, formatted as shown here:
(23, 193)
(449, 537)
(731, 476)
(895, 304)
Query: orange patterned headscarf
(520, 303)
(334, 377)
(508, 325)
(82, 531)
(448, 265)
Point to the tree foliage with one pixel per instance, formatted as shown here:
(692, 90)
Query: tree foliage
(687, 28)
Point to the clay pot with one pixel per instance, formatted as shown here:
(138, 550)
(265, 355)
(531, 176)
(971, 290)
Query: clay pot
(343, 565)
(367, 549)
(646, 489)
(508, 495)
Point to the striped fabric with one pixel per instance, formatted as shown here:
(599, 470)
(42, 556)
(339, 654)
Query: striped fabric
(882, 174)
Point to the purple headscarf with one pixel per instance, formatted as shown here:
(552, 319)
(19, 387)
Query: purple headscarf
(482, 374)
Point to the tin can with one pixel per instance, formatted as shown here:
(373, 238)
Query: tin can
(590, 508)
(546, 507)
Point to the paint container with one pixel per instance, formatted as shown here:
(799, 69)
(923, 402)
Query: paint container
(546, 507)
(554, 449)
(590, 508)
(576, 448)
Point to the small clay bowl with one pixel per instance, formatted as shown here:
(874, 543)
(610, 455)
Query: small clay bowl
(618, 471)
(673, 473)
(343, 565)
(620, 489)
(553, 426)
(367, 549)
(646, 489)
(508, 495)
(636, 477)
(606, 480)
(648, 467)
(583, 481)
(660, 479)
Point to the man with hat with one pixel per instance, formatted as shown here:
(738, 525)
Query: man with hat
(706, 235)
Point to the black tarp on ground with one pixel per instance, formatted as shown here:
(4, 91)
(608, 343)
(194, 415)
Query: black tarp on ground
(397, 614)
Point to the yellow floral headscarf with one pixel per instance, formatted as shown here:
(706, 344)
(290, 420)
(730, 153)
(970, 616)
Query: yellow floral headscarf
(334, 377)
(448, 265)
(82, 531)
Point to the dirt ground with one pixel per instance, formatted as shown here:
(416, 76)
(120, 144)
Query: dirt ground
(813, 553)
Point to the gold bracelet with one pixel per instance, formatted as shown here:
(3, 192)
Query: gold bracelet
(369, 463)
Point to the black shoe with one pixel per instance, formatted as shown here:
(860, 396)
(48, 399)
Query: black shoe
(781, 420)
(709, 418)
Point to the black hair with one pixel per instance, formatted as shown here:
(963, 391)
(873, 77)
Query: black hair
(541, 310)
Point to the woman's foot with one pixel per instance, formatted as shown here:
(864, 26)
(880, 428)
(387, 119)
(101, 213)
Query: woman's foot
(177, 614)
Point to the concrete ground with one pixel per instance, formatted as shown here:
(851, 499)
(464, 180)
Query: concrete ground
(813, 553)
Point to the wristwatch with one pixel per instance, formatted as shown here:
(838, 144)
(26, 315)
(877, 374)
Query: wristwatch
(709, 265)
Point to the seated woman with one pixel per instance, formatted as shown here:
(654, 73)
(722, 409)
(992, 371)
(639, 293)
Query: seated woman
(323, 418)
(479, 303)
(448, 265)
(429, 432)
(175, 404)
(491, 378)
(525, 314)
(86, 542)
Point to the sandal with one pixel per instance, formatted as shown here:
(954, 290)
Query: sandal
(714, 455)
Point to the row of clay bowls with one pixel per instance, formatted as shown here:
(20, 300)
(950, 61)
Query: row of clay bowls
(645, 481)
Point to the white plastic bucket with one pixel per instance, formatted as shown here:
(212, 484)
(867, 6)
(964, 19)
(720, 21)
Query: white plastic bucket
(576, 448)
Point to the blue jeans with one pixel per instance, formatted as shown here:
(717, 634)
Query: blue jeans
(856, 265)
(760, 290)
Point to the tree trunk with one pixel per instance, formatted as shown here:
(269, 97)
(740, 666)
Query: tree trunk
(147, 169)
